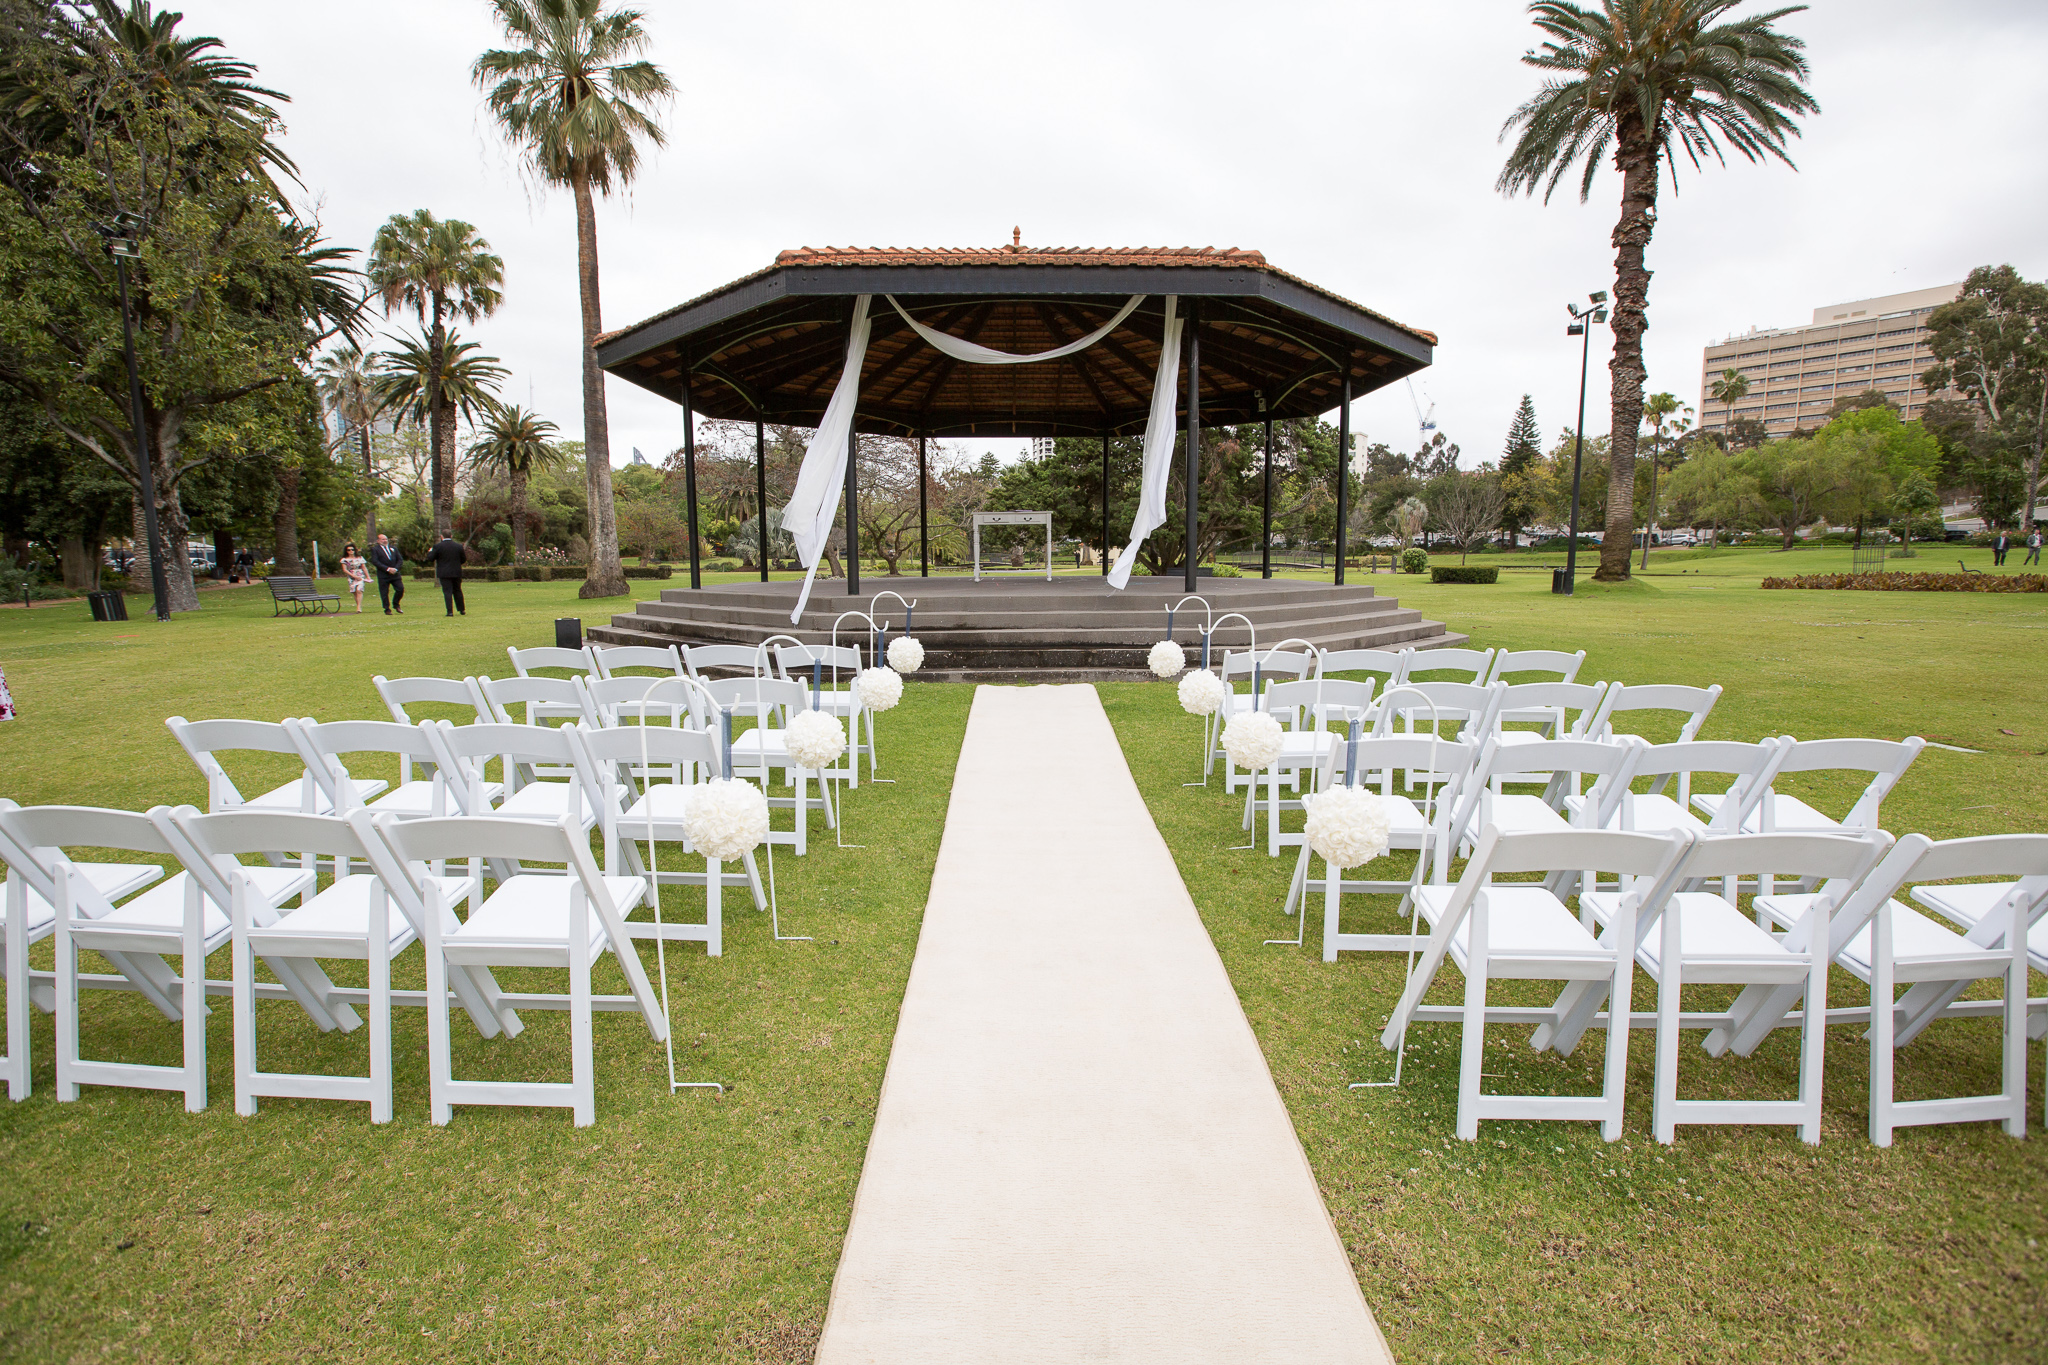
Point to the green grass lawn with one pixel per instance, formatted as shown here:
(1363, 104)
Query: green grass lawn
(706, 1228)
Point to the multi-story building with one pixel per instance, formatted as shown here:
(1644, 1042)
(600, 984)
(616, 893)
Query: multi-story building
(1041, 447)
(1796, 373)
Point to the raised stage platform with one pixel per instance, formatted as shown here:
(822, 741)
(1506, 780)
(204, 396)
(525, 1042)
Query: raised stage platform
(1073, 629)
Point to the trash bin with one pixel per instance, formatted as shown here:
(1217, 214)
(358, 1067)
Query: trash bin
(569, 632)
(1560, 582)
(108, 606)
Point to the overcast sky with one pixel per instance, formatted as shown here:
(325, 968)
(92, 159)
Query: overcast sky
(1354, 144)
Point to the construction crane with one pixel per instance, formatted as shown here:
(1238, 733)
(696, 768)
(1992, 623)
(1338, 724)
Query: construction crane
(1424, 421)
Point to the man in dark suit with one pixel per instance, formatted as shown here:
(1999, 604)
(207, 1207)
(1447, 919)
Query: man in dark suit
(1999, 547)
(447, 559)
(389, 562)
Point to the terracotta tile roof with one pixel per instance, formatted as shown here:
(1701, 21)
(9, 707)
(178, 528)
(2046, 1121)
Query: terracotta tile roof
(1017, 254)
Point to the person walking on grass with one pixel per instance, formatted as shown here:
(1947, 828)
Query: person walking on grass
(1998, 549)
(389, 562)
(357, 570)
(2033, 546)
(447, 558)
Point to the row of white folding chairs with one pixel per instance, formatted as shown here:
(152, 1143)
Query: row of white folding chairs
(1662, 919)
(407, 895)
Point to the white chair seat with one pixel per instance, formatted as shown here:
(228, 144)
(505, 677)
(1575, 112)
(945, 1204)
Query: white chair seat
(1299, 747)
(537, 908)
(162, 909)
(663, 801)
(547, 801)
(343, 911)
(1968, 902)
(291, 797)
(1789, 815)
(1517, 814)
(112, 880)
(1710, 929)
(757, 743)
(416, 798)
(1521, 919)
(1651, 813)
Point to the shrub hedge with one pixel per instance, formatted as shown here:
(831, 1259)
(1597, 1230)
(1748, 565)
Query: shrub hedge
(543, 573)
(1464, 573)
(1917, 582)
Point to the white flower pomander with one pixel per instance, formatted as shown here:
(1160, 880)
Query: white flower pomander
(725, 818)
(879, 688)
(1166, 659)
(1201, 693)
(906, 654)
(815, 739)
(1252, 739)
(1347, 825)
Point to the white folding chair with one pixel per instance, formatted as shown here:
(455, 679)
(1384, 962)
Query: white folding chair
(1494, 930)
(458, 694)
(628, 699)
(1426, 829)
(1550, 706)
(352, 920)
(323, 743)
(613, 660)
(1518, 661)
(576, 664)
(736, 658)
(1886, 944)
(828, 671)
(203, 740)
(1260, 669)
(529, 753)
(1475, 664)
(1969, 904)
(559, 922)
(656, 814)
(1304, 709)
(1779, 812)
(30, 916)
(1388, 667)
(762, 751)
(1694, 704)
(536, 701)
(1749, 768)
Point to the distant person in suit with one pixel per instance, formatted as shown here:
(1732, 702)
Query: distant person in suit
(389, 562)
(447, 560)
(2033, 547)
(1999, 547)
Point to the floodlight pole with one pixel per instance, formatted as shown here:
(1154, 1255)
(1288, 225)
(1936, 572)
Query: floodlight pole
(690, 477)
(761, 496)
(121, 249)
(1582, 326)
(1194, 453)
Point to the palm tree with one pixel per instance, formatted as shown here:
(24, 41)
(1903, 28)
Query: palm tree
(1658, 410)
(1648, 79)
(1731, 388)
(440, 270)
(568, 96)
(350, 392)
(516, 441)
(420, 386)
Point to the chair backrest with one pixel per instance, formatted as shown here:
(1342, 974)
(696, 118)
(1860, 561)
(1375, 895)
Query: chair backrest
(658, 745)
(33, 839)
(759, 697)
(577, 661)
(623, 701)
(1840, 859)
(202, 739)
(505, 693)
(1750, 766)
(226, 834)
(1327, 700)
(794, 661)
(1270, 664)
(1526, 703)
(1471, 704)
(744, 658)
(1476, 664)
(1694, 703)
(1432, 761)
(531, 753)
(611, 660)
(1885, 760)
(322, 743)
(1565, 760)
(1393, 663)
(1566, 666)
(399, 693)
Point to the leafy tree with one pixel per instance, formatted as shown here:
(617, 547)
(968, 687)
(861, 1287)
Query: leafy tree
(1731, 388)
(514, 441)
(1646, 78)
(440, 270)
(1857, 402)
(108, 113)
(1661, 414)
(1991, 343)
(570, 97)
(350, 392)
(1524, 450)
(420, 383)
(1467, 506)
(1712, 486)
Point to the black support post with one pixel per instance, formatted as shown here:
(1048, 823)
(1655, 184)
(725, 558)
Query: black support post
(1343, 473)
(852, 513)
(761, 495)
(924, 542)
(1105, 502)
(1266, 532)
(1193, 476)
(690, 478)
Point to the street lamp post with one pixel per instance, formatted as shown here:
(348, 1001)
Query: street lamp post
(122, 246)
(1581, 326)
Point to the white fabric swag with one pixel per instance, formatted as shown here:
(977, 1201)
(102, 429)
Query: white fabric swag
(813, 509)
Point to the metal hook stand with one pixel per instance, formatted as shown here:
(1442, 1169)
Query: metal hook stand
(1212, 724)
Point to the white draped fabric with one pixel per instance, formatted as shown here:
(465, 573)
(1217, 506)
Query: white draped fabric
(814, 506)
(1158, 448)
(975, 354)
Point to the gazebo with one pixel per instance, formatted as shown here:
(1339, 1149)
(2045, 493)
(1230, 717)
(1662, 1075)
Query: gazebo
(1010, 341)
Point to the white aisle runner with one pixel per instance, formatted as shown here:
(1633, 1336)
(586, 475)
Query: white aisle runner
(1080, 1154)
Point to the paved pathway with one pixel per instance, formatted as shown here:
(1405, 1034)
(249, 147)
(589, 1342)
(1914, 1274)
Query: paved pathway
(1080, 1154)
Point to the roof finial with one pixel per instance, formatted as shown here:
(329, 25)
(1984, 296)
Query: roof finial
(1017, 237)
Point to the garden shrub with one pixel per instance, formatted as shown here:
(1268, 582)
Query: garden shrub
(1222, 570)
(1414, 560)
(1916, 582)
(1464, 573)
(650, 571)
(501, 573)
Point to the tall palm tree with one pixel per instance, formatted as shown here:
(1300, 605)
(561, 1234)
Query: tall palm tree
(350, 392)
(515, 440)
(1731, 388)
(1648, 79)
(569, 94)
(420, 386)
(441, 270)
(1658, 411)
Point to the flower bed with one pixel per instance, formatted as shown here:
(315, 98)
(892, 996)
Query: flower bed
(1916, 582)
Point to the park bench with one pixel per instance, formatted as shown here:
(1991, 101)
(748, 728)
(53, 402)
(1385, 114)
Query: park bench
(297, 592)
(1966, 568)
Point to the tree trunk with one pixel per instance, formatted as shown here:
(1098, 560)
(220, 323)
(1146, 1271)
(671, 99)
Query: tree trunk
(369, 474)
(2034, 464)
(607, 577)
(223, 554)
(171, 530)
(440, 430)
(518, 479)
(1636, 158)
(76, 561)
(284, 521)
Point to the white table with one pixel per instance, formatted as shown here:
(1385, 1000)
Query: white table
(982, 519)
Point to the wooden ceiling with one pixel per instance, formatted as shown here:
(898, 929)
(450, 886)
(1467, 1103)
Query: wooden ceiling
(772, 346)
